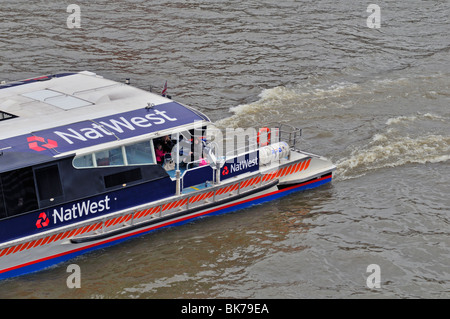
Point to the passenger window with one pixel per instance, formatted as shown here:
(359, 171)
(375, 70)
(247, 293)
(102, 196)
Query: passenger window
(48, 182)
(139, 153)
(2, 202)
(135, 154)
(83, 161)
(112, 157)
(19, 191)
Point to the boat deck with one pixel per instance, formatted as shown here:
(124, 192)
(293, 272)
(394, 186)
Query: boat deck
(195, 188)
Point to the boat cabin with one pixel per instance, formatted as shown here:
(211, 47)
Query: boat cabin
(61, 144)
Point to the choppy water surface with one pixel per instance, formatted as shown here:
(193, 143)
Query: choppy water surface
(375, 101)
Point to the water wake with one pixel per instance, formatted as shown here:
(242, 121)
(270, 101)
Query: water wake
(421, 137)
(281, 104)
(392, 148)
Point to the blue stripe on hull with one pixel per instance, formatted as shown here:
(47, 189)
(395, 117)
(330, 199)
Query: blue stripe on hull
(40, 265)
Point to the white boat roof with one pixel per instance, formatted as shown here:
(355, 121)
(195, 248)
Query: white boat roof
(67, 98)
(62, 113)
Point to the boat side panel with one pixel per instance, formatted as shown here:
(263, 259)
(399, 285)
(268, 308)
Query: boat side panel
(268, 195)
(75, 211)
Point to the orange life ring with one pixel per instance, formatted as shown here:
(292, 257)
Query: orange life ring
(263, 130)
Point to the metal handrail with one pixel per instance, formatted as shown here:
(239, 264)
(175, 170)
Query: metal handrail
(293, 133)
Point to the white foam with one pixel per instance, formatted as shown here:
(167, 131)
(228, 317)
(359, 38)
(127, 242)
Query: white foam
(389, 151)
(412, 118)
(279, 103)
(399, 119)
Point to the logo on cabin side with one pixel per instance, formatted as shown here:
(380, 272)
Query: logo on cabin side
(242, 164)
(42, 220)
(35, 143)
(225, 170)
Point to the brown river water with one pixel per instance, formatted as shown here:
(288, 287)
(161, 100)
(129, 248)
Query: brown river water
(376, 101)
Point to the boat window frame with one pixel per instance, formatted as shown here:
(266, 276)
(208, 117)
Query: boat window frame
(46, 201)
(4, 116)
(124, 156)
(152, 137)
(3, 213)
(29, 190)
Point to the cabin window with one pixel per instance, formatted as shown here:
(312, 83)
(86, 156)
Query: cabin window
(112, 157)
(6, 116)
(139, 153)
(135, 154)
(123, 177)
(2, 202)
(83, 161)
(48, 182)
(19, 191)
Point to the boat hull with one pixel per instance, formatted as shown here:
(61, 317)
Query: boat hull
(26, 256)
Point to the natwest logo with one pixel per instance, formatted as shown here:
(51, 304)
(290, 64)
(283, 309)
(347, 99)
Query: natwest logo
(238, 165)
(112, 127)
(42, 220)
(39, 144)
(80, 210)
(243, 165)
(225, 170)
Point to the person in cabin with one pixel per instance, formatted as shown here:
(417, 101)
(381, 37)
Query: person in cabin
(159, 152)
(167, 144)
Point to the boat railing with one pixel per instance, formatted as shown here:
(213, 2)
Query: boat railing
(251, 144)
(288, 133)
(279, 132)
(196, 164)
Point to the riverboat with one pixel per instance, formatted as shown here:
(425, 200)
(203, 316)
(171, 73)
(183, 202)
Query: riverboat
(87, 162)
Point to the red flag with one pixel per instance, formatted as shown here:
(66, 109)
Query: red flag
(163, 93)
